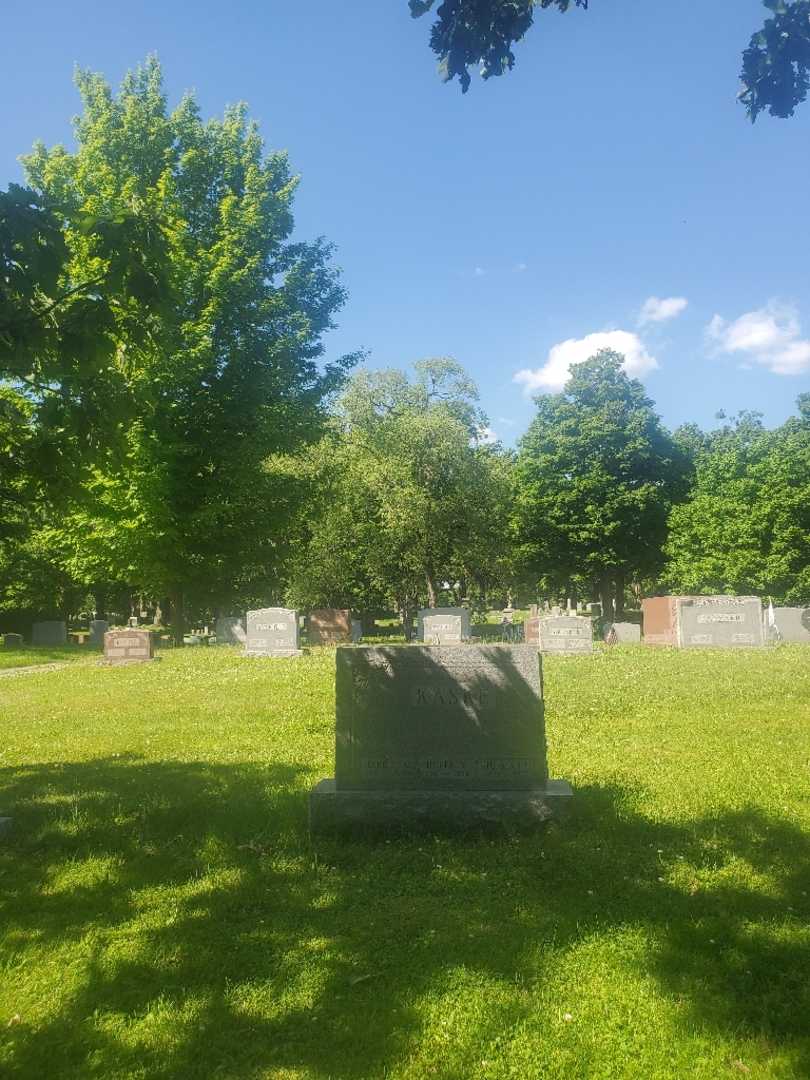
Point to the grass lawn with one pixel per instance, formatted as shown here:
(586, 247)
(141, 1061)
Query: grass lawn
(46, 654)
(163, 915)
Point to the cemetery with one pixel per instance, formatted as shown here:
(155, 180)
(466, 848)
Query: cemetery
(404, 543)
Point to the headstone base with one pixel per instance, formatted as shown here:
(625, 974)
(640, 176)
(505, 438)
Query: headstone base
(341, 813)
(124, 661)
(273, 654)
(5, 826)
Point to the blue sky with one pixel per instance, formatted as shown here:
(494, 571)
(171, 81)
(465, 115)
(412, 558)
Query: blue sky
(506, 226)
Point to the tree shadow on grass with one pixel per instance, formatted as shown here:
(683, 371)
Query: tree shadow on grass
(192, 932)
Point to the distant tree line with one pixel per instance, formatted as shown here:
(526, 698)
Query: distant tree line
(172, 441)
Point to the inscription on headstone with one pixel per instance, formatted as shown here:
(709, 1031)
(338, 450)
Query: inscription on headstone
(566, 634)
(431, 736)
(128, 647)
(443, 626)
(329, 626)
(12, 641)
(230, 630)
(49, 633)
(791, 624)
(272, 632)
(731, 621)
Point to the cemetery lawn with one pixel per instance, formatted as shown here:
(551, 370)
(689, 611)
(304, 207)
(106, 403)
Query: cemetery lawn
(46, 654)
(163, 915)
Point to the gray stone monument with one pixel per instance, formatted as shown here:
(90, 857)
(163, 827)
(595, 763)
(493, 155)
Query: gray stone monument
(128, 647)
(49, 633)
(272, 632)
(564, 634)
(12, 641)
(730, 621)
(98, 628)
(791, 624)
(437, 738)
(443, 626)
(357, 631)
(623, 633)
(230, 630)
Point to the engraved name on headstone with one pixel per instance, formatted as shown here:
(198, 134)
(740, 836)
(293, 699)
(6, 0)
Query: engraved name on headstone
(272, 632)
(128, 647)
(52, 632)
(443, 626)
(230, 630)
(434, 735)
(730, 621)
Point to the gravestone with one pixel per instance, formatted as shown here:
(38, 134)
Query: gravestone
(357, 631)
(730, 621)
(443, 626)
(49, 633)
(12, 641)
(623, 633)
(534, 611)
(133, 622)
(791, 624)
(128, 647)
(563, 634)
(436, 738)
(594, 610)
(659, 615)
(98, 628)
(272, 632)
(329, 626)
(230, 630)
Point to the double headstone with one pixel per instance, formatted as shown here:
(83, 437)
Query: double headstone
(128, 647)
(53, 632)
(791, 624)
(562, 634)
(437, 738)
(230, 630)
(272, 632)
(98, 628)
(443, 626)
(329, 626)
(12, 641)
(699, 621)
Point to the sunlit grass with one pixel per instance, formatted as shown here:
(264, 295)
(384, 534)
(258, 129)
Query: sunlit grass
(163, 915)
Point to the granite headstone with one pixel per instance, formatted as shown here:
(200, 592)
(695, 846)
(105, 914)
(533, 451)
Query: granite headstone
(272, 632)
(230, 630)
(565, 634)
(434, 737)
(98, 628)
(791, 624)
(329, 626)
(443, 626)
(12, 641)
(49, 633)
(730, 621)
(128, 647)
(623, 633)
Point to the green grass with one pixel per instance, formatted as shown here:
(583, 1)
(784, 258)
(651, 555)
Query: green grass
(46, 654)
(163, 915)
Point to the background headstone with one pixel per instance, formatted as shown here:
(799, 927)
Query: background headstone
(566, 634)
(623, 633)
(434, 737)
(272, 632)
(12, 641)
(49, 633)
(128, 647)
(230, 630)
(659, 615)
(329, 626)
(730, 621)
(133, 622)
(357, 631)
(792, 624)
(98, 628)
(443, 626)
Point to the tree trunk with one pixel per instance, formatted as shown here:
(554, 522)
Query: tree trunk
(431, 589)
(100, 600)
(606, 596)
(178, 619)
(406, 613)
(619, 594)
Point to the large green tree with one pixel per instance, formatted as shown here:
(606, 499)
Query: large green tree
(745, 527)
(775, 70)
(230, 372)
(595, 478)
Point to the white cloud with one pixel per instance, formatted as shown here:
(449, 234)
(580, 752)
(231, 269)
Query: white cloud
(553, 375)
(486, 436)
(521, 266)
(654, 309)
(770, 336)
(479, 271)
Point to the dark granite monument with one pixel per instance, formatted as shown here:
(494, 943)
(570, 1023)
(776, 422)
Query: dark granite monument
(272, 632)
(128, 647)
(791, 624)
(568, 635)
(437, 738)
(230, 630)
(329, 626)
(12, 641)
(623, 633)
(49, 633)
(98, 628)
(730, 621)
(443, 626)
